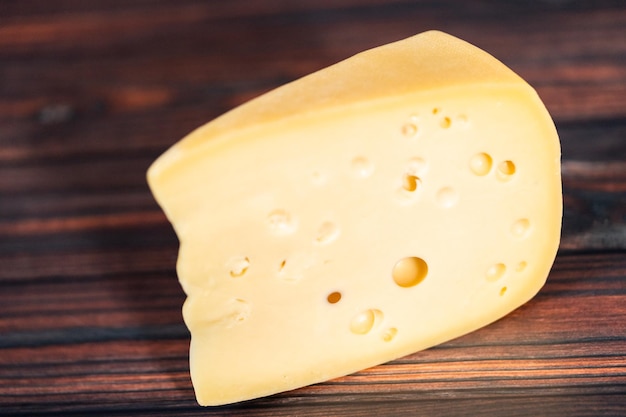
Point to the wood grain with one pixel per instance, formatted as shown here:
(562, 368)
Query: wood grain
(86, 350)
(91, 91)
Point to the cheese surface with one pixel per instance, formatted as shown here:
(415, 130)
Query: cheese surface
(394, 201)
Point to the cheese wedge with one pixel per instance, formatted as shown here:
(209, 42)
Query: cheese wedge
(391, 202)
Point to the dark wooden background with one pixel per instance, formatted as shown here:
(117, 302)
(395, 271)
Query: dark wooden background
(91, 91)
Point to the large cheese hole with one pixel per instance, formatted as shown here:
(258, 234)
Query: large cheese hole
(334, 297)
(410, 271)
(506, 170)
(365, 321)
(480, 164)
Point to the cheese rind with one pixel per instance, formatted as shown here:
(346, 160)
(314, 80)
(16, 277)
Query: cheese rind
(389, 203)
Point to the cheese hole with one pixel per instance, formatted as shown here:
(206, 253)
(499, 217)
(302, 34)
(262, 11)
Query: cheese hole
(436, 110)
(447, 197)
(495, 272)
(361, 167)
(506, 170)
(282, 265)
(334, 297)
(389, 334)
(411, 182)
(365, 321)
(243, 310)
(445, 122)
(327, 233)
(521, 266)
(520, 227)
(480, 164)
(238, 266)
(502, 291)
(280, 222)
(410, 271)
(409, 130)
(236, 312)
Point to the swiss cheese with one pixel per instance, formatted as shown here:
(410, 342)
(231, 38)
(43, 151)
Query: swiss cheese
(391, 202)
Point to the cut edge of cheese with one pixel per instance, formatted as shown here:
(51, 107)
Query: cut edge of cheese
(272, 203)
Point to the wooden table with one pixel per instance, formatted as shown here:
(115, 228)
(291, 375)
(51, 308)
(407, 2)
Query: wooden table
(92, 91)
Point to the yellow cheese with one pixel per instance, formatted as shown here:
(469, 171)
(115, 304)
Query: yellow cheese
(391, 202)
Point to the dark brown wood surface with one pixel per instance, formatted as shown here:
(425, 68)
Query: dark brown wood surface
(91, 91)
